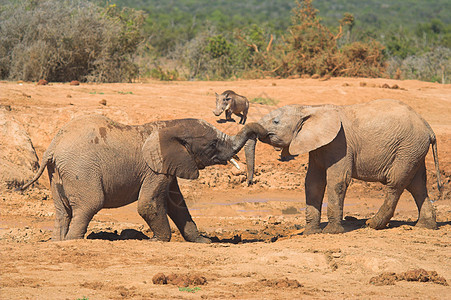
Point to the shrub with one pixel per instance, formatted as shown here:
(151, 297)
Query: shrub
(362, 60)
(207, 56)
(430, 66)
(311, 48)
(68, 40)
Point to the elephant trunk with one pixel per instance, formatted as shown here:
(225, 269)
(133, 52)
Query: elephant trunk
(249, 150)
(250, 131)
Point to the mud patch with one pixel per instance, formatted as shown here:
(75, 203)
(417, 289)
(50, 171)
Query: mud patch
(25, 235)
(420, 275)
(272, 230)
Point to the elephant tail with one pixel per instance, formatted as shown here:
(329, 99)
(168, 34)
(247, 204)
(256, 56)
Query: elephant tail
(46, 159)
(437, 169)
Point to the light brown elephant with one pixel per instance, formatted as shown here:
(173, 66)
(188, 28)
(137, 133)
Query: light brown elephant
(384, 141)
(94, 163)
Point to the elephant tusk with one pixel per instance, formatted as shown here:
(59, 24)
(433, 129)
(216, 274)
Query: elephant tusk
(235, 163)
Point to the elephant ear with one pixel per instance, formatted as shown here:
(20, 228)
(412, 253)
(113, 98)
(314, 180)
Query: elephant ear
(165, 153)
(318, 127)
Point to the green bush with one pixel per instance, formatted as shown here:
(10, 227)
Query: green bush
(265, 101)
(68, 40)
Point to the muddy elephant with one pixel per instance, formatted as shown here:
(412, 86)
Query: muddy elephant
(94, 163)
(381, 141)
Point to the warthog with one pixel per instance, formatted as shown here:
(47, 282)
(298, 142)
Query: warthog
(231, 102)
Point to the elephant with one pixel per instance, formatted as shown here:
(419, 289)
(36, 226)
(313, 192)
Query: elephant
(379, 141)
(94, 162)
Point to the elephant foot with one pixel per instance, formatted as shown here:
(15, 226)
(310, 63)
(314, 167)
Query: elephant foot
(333, 228)
(159, 239)
(431, 224)
(312, 230)
(376, 223)
(202, 240)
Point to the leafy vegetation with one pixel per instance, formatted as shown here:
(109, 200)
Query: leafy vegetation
(189, 289)
(312, 48)
(68, 40)
(265, 101)
(120, 40)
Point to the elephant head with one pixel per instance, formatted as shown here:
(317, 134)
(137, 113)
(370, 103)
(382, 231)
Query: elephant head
(186, 146)
(296, 129)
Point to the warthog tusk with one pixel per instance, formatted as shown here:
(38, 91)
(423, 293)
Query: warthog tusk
(235, 163)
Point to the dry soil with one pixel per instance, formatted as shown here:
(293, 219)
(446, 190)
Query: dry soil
(259, 251)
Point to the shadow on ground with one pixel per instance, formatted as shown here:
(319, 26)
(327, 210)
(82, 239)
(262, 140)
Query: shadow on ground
(267, 235)
(126, 234)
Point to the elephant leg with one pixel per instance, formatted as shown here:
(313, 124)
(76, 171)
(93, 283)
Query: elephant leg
(400, 175)
(85, 198)
(63, 212)
(178, 212)
(338, 179)
(152, 201)
(315, 185)
(387, 210)
(418, 189)
(79, 223)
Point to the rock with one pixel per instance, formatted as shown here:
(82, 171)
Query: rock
(43, 82)
(75, 82)
(18, 159)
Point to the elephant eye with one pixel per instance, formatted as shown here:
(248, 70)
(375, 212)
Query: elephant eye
(276, 121)
(213, 144)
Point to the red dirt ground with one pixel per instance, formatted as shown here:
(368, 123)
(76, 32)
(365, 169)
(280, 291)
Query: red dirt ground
(259, 250)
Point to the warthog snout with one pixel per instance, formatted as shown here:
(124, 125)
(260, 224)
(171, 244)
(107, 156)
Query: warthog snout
(217, 112)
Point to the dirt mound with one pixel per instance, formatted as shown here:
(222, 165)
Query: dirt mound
(420, 275)
(18, 159)
(183, 280)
